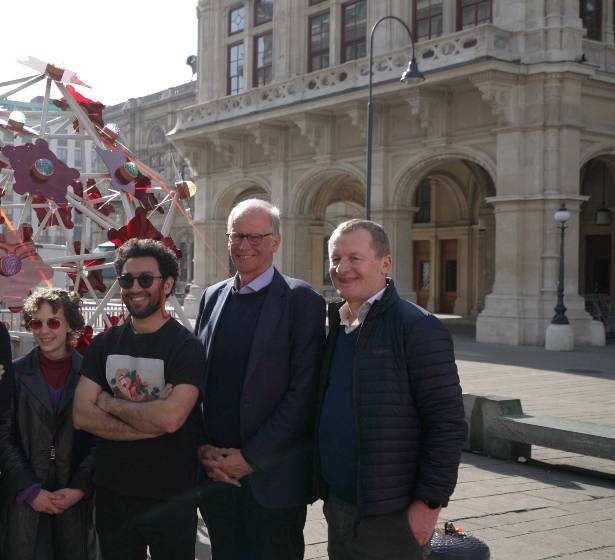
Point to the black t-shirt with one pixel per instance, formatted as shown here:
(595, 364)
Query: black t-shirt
(136, 367)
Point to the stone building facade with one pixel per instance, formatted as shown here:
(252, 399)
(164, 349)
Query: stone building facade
(516, 115)
(145, 123)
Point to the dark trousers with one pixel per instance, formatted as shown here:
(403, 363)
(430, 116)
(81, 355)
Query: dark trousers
(242, 529)
(127, 525)
(382, 537)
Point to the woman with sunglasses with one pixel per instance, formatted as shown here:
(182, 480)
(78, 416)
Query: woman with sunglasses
(45, 463)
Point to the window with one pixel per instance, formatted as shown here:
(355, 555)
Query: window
(234, 73)
(263, 59)
(472, 12)
(427, 19)
(263, 11)
(591, 14)
(314, 2)
(354, 30)
(423, 202)
(77, 157)
(63, 154)
(236, 20)
(319, 42)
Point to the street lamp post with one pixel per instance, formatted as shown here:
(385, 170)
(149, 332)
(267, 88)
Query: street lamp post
(412, 74)
(561, 217)
(559, 334)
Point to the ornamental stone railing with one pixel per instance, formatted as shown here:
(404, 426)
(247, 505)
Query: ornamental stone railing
(599, 54)
(484, 41)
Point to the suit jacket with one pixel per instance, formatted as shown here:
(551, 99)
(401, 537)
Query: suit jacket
(278, 400)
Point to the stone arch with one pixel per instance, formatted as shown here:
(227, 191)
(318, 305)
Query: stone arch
(597, 151)
(597, 229)
(243, 189)
(456, 194)
(407, 180)
(309, 191)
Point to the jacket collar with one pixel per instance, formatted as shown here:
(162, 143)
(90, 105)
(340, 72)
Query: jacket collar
(389, 297)
(32, 377)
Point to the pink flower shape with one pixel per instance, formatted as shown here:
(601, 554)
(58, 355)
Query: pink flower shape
(21, 268)
(123, 171)
(38, 171)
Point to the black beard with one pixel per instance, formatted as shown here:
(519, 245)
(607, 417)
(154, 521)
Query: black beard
(152, 308)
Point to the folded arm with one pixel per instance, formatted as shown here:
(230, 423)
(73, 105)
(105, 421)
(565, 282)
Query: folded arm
(162, 416)
(88, 416)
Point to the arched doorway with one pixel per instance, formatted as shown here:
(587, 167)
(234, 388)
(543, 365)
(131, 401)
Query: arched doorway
(597, 239)
(453, 237)
(326, 200)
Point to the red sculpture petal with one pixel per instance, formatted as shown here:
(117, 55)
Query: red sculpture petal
(84, 340)
(141, 228)
(93, 109)
(93, 194)
(63, 209)
(94, 276)
(143, 184)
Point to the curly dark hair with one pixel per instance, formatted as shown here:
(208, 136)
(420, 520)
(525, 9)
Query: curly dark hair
(134, 248)
(69, 302)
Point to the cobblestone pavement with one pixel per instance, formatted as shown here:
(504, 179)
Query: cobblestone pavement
(526, 511)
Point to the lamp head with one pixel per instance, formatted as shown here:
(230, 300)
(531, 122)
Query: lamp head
(412, 74)
(562, 215)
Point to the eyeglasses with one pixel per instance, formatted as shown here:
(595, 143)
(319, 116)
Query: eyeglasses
(53, 323)
(126, 281)
(254, 239)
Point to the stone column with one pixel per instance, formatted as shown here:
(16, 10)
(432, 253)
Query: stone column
(317, 256)
(398, 225)
(464, 273)
(293, 256)
(524, 293)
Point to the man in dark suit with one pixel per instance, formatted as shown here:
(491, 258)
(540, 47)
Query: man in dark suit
(264, 335)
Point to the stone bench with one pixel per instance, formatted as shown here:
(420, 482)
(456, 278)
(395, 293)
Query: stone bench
(498, 428)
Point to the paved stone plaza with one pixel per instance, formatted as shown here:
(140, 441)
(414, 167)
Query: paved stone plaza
(526, 511)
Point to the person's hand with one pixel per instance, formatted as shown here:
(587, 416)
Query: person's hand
(422, 521)
(103, 400)
(1, 371)
(211, 458)
(67, 497)
(45, 502)
(166, 391)
(234, 464)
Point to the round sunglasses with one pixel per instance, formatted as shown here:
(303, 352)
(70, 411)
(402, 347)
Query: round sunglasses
(52, 323)
(145, 280)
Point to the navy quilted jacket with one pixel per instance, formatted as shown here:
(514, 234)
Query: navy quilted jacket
(407, 403)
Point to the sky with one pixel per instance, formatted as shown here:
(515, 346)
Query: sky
(121, 48)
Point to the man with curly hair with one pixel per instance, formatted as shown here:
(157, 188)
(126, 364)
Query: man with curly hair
(138, 391)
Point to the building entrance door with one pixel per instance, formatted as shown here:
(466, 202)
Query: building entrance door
(448, 275)
(422, 272)
(598, 267)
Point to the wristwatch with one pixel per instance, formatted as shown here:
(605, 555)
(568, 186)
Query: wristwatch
(432, 504)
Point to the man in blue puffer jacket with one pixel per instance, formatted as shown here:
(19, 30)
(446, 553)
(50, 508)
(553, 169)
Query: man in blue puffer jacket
(391, 421)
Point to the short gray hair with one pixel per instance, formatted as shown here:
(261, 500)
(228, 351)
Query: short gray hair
(251, 205)
(380, 240)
